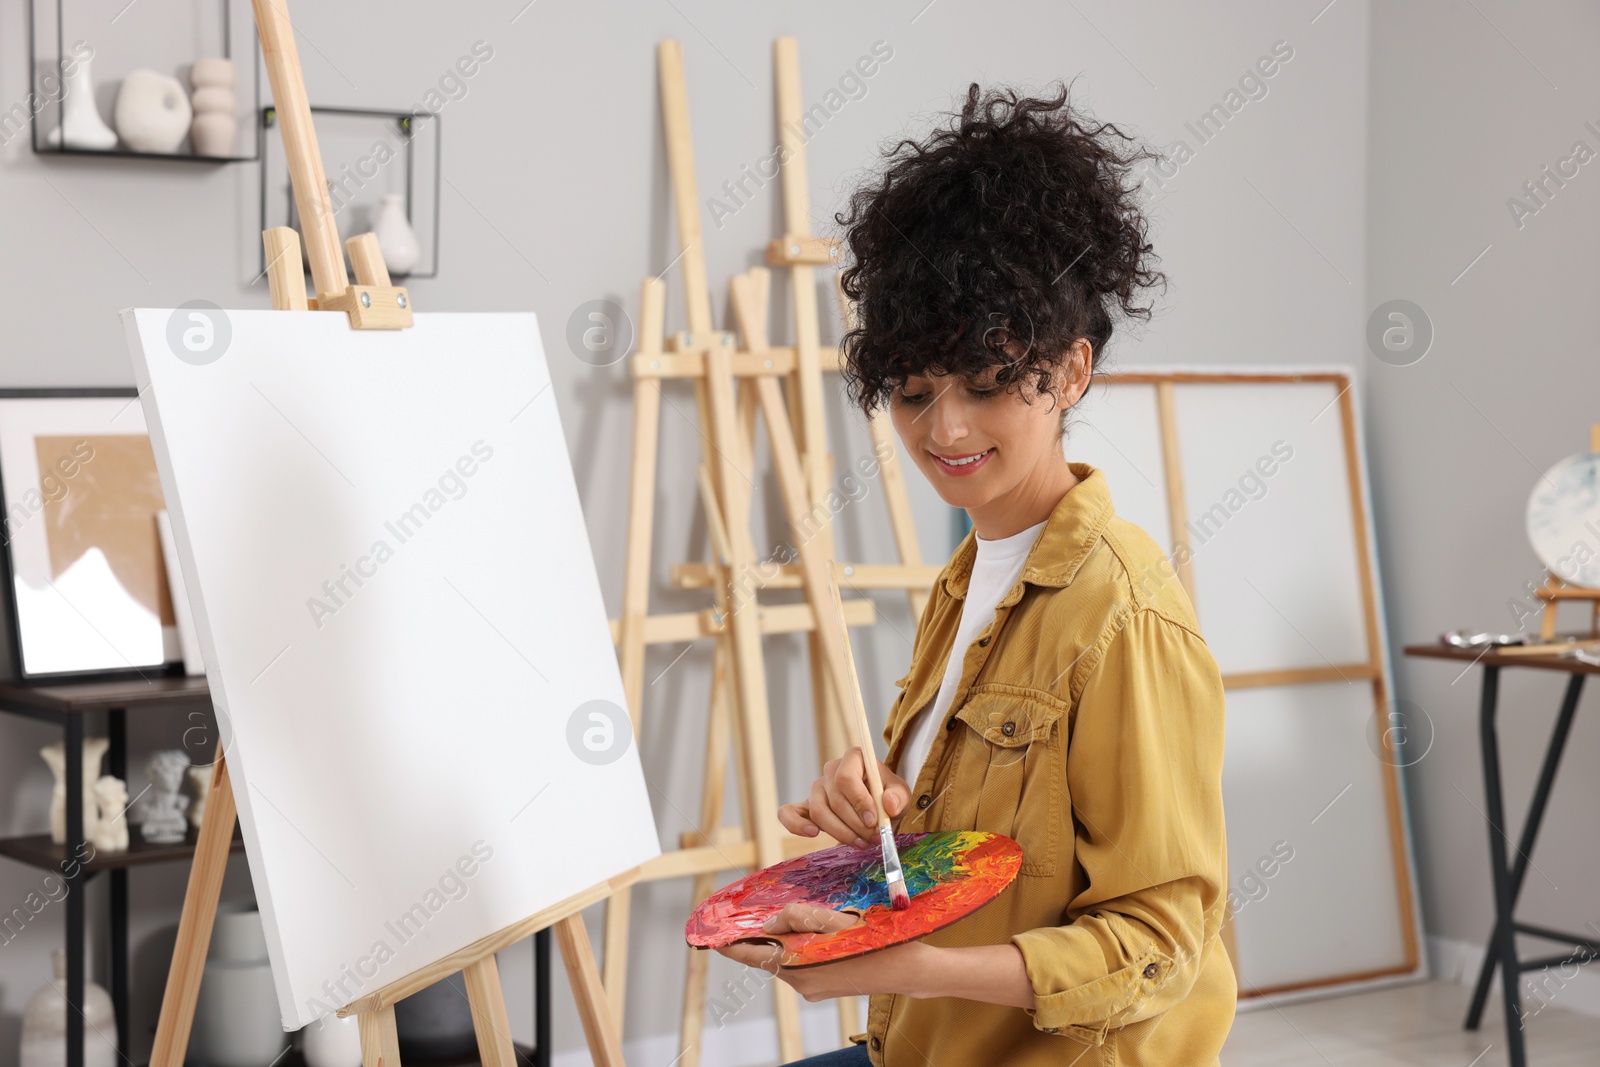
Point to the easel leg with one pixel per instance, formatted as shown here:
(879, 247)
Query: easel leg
(711, 803)
(194, 924)
(749, 668)
(605, 1046)
(849, 1018)
(489, 1019)
(380, 1041)
(619, 910)
(899, 504)
(636, 601)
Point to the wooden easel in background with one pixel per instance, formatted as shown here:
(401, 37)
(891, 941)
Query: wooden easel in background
(372, 303)
(732, 386)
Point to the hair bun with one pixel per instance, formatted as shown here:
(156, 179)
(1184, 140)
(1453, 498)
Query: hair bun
(1018, 223)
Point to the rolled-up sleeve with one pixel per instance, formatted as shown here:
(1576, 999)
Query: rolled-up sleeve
(1144, 768)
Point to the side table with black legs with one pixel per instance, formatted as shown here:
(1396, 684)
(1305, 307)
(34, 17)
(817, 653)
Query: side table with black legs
(1508, 875)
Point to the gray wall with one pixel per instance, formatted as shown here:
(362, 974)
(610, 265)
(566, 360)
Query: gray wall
(556, 194)
(1469, 102)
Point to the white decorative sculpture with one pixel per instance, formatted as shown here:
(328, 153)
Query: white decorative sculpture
(152, 112)
(215, 130)
(81, 124)
(200, 778)
(396, 239)
(111, 795)
(164, 823)
(94, 749)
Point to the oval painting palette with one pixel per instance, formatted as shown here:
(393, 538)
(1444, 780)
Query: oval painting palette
(949, 873)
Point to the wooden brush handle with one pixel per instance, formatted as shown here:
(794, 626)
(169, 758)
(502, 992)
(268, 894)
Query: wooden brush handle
(856, 712)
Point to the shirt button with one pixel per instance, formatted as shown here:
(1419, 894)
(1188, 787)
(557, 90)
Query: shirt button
(983, 642)
(951, 725)
(1052, 1029)
(1009, 728)
(876, 1045)
(924, 800)
(1151, 971)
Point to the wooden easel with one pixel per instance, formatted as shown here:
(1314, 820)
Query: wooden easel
(371, 303)
(732, 386)
(1555, 589)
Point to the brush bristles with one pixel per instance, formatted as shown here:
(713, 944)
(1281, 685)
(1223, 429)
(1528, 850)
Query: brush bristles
(894, 876)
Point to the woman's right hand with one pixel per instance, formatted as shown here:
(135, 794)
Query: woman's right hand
(841, 805)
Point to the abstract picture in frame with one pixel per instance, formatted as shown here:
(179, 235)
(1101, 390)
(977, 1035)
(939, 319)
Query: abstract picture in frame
(79, 494)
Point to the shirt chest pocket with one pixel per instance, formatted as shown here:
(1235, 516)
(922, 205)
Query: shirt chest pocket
(1010, 774)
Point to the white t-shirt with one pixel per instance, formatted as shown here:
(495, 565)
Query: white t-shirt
(994, 572)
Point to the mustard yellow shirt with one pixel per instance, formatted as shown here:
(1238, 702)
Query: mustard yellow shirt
(1087, 725)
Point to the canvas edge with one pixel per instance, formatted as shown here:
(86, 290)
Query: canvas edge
(237, 769)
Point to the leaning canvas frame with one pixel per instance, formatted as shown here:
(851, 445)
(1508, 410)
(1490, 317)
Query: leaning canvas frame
(103, 645)
(1275, 713)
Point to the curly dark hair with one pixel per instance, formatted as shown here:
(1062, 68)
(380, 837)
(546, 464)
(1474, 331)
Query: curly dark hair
(1017, 227)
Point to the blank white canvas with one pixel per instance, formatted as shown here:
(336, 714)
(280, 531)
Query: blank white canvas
(379, 749)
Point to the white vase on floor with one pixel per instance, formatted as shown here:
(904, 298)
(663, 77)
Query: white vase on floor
(332, 1042)
(81, 124)
(397, 240)
(236, 1021)
(44, 1024)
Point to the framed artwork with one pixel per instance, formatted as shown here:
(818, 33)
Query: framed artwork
(79, 490)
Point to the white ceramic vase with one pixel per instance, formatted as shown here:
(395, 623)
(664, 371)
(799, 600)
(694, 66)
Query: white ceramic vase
(332, 1042)
(81, 124)
(152, 112)
(398, 241)
(236, 1021)
(44, 1025)
(215, 129)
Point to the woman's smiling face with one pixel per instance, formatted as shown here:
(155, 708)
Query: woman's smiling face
(978, 442)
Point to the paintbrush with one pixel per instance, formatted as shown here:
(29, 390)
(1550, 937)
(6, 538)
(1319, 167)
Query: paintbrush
(894, 876)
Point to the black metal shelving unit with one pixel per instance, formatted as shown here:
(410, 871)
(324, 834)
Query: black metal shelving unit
(69, 705)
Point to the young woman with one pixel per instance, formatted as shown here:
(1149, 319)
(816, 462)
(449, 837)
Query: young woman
(1060, 691)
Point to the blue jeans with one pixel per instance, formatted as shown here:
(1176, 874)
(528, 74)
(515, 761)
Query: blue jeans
(854, 1056)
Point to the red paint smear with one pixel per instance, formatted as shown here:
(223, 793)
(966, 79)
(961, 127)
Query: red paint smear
(983, 865)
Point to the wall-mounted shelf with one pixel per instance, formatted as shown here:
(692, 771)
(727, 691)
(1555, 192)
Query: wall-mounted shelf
(55, 35)
(366, 154)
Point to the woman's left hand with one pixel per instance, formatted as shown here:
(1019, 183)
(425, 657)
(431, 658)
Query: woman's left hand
(890, 970)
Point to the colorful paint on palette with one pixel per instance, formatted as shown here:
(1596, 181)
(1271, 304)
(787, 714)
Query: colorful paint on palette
(949, 873)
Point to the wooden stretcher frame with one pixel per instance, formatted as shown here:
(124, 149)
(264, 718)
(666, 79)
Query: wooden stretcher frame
(1375, 667)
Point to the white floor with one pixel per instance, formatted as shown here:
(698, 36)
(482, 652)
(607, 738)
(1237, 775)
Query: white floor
(1403, 1026)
